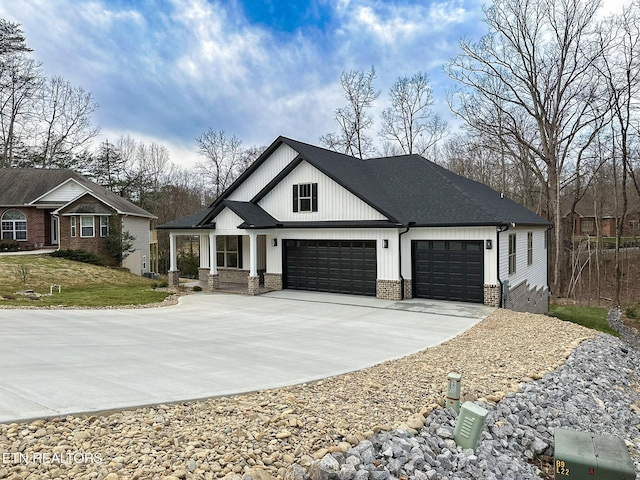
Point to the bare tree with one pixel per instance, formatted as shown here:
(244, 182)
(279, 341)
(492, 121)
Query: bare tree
(354, 119)
(63, 122)
(535, 68)
(409, 122)
(223, 159)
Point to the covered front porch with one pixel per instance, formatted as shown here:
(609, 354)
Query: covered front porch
(228, 260)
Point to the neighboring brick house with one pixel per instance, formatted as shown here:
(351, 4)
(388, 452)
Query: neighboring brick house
(306, 218)
(61, 208)
(586, 222)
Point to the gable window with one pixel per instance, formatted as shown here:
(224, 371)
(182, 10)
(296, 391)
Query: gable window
(104, 226)
(74, 226)
(14, 225)
(305, 197)
(227, 251)
(512, 253)
(529, 248)
(87, 227)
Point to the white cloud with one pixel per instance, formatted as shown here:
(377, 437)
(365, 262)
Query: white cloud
(99, 16)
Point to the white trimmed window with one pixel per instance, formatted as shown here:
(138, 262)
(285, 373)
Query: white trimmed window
(74, 226)
(512, 253)
(104, 226)
(87, 227)
(634, 225)
(227, 251)
(14, 225)
(586, 226)
(529, 248)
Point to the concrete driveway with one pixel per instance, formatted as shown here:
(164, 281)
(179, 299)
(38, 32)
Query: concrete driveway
(58, 362)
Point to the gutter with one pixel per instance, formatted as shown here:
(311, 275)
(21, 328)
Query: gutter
(409, 225)
(501, 228)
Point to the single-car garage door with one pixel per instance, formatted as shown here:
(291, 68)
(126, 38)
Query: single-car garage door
(337, 266)
(448, 270)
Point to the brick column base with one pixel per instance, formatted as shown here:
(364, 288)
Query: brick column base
(273, 281)
(408, 288)
(203, 273)
(254, 285)
(213, 281)
(492, 295)
(174, 278)
(388, 289)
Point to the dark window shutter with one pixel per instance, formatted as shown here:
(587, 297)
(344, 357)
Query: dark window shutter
(240, 251)
(295, 198)
(314, 197)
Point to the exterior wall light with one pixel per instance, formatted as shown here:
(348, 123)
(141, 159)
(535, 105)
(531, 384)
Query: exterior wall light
(489, 244)
(275, 242)
(385, 243)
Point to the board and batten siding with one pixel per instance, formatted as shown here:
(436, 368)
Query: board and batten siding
(453, 233)
(266, 172)
(536, 273)
(334, 201)
(386, 258)
(64, 193)
(227, 223)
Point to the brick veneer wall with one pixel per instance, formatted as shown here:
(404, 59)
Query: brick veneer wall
(93, 244)
(408, 288)
(492, 295)
(523, 298)
(273, 281)
(38, 226)
(233, 275)
(388, 289)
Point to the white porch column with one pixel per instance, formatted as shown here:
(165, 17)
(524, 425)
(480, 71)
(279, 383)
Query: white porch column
(253, 254)
(213, 259)
(204, 251)
(173, 264)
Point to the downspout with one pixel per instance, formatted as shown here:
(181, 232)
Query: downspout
(400, 258)
(502, 228)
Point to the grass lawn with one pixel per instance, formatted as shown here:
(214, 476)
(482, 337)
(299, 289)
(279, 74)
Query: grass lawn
(590, 317)
(81, 284)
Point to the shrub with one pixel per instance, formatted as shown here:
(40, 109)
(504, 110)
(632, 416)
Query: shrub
(197, 288)
(9, 245)
(631, 312)
(80, 256)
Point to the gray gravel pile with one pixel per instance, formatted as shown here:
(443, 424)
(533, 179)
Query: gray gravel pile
(595, 391)
(627, 334)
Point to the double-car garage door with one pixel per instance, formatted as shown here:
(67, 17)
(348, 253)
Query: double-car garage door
(336, 266)
(448, 270)
(442, 269)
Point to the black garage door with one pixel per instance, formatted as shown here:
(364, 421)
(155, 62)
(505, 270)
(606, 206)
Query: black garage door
(448, 270)
(337, 266)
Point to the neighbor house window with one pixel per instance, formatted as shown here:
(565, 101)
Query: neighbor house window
(305, 197)
(586, 226)
(104, 226)
(634, 225)
(227, 251)
(74, 226)
(512, 254)
(529, 248)
(14, 225)
(87, 227)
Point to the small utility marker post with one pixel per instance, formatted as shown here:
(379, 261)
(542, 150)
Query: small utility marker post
(453, 391)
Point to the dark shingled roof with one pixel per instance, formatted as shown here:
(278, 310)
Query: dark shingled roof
(407, 189)
(21, 186)
(195, 220)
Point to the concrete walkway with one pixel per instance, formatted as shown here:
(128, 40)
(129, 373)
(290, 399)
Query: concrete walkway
(58, 362)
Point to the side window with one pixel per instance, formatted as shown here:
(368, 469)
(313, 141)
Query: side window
(74, 226)
(529, 248)
(512, 253)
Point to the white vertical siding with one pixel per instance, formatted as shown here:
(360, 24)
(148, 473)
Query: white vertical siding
(139, 228)
(272, 166)
(227, 220)
(536, 273)
(334, 201)
(453, 233)
(387, 258)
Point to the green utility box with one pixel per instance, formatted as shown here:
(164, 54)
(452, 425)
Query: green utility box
(585, 456)
(469, 425)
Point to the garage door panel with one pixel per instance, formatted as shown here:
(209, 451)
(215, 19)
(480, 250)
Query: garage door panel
(336, 266)
(448, 270)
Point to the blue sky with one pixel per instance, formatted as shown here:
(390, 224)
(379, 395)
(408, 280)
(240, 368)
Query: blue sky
(167, 70)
